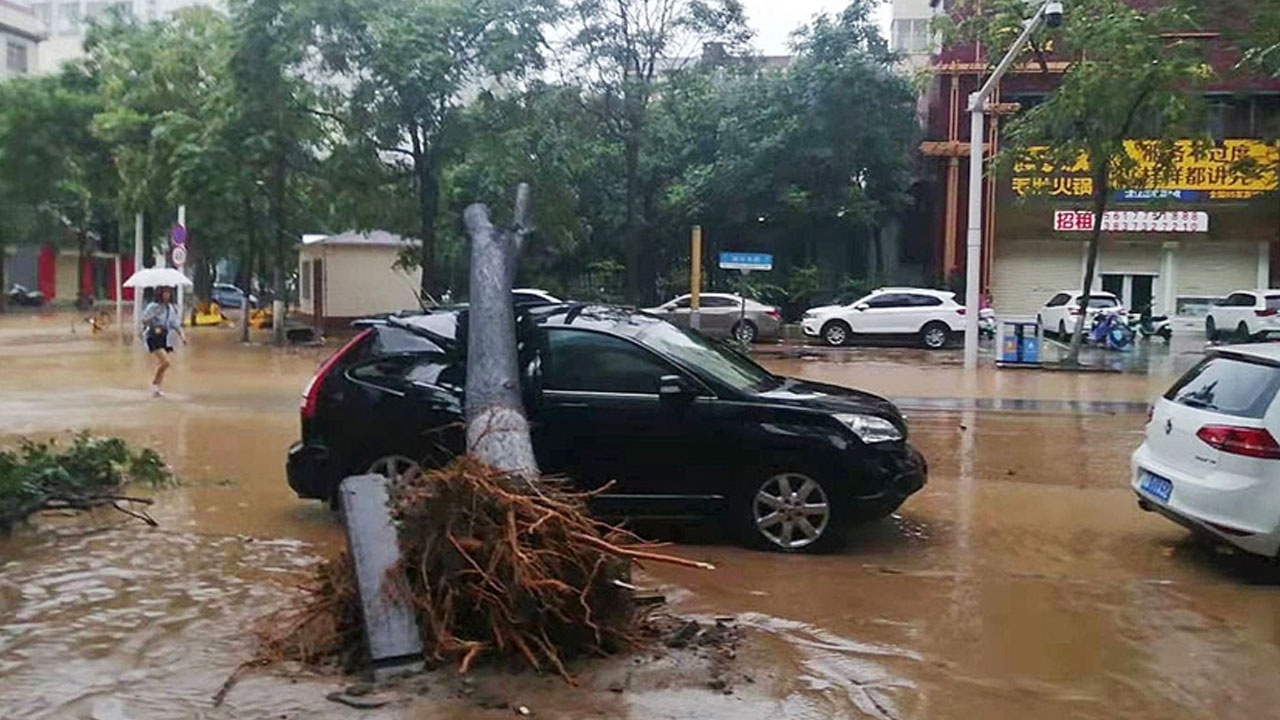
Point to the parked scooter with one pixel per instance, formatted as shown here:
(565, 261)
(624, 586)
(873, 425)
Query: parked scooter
(1146, 325)
(986, 323)
(21, 295)
(1111, 331)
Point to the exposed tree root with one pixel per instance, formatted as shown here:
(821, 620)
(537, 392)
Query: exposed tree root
(493, 573)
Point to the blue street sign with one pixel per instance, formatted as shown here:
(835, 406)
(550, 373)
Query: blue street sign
(745, 261)
(1160, 194)
(178, 235)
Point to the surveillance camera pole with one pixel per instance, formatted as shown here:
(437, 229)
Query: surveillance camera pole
(977, 157)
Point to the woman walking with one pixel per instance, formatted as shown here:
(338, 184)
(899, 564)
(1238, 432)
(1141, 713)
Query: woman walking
(161, 320)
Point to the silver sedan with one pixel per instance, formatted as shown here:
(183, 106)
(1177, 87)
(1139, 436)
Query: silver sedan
(723, 316)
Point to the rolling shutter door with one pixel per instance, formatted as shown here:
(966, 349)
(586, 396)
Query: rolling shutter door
(1028, 272)
(1208, 269)
(1129, 258)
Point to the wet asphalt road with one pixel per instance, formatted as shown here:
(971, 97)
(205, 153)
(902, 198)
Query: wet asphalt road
(1022, 582)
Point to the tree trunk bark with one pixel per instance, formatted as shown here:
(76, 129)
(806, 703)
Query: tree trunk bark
(497, 428)
(1102, 189)
(427, 184)
(278, 217)
(633, 238)
(4, 286)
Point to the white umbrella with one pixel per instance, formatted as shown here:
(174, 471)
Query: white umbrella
(157, 277)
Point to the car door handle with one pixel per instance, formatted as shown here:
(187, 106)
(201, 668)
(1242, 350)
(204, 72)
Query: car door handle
(575, 405)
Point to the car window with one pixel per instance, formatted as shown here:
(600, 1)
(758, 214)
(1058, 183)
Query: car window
(1228, 386)
(682, 304)
(924, 300)
(392, 340)
(593, 362)
(889, 300)
(386, 372)
(1103, 301)
(1059, 300)
(438, 370)
(720, 302)
(1239, 300)
(1273, 302)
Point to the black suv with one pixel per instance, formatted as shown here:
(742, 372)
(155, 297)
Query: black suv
(681, 425)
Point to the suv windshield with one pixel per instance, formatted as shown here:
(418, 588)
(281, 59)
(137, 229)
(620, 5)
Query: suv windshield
(717, 360)
(1101, 302)
(1228, 386)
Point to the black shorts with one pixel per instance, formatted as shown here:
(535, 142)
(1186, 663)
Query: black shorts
(158, 341)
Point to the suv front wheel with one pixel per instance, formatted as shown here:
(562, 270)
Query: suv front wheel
(791, 512)
(935, 335)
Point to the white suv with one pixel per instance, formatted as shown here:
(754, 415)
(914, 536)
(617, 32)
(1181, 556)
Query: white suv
(1247, 314)
(1059, 315)
(931, 315)
(1210, 460)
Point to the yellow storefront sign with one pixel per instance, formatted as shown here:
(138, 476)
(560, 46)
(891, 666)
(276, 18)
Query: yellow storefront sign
(1230, 170)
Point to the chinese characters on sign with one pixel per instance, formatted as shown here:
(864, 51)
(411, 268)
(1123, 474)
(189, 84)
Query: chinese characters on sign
(1137, 222)
(1231, 170)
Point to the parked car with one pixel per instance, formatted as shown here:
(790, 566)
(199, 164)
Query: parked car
(1246, 314)
(721, 315)
(684, 426)
(230, 297)
(532, 297)
(1060, 313)
(933, 316)
(1210, 460)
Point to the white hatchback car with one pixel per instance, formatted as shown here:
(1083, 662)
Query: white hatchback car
(1210, 461)
(1060, 313)
(931, 315)
(1246, 314)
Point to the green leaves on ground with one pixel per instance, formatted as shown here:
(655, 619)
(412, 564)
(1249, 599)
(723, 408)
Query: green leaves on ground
(88, 473)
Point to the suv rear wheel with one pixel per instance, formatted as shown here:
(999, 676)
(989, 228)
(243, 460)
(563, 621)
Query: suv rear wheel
(1242, 331)
(1210, 329)
(791, 512)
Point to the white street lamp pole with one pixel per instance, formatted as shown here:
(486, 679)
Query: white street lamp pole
(977, 157)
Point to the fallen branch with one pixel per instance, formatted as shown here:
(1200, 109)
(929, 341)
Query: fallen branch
(642, 555)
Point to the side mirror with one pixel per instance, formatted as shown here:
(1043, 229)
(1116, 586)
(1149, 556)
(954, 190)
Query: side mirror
(674, 386)
(861, 307)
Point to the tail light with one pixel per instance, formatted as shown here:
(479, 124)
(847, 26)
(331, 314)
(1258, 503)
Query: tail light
(1074, 311)
(773, 313)
(1269, 312)
(960, 310)
(312, 391)
(1151, 413)
(1249, 442)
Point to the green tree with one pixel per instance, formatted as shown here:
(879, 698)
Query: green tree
(1130, 76)
(404, 69)
(628, 49)
(56, 178)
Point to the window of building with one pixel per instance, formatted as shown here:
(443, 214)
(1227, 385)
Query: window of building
(1266, 117)
(304, 291)
(15, 57)
(911, 36)
(43, 13)
(68, 20)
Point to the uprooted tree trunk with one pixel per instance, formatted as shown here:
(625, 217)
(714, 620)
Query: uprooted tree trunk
(497, 428)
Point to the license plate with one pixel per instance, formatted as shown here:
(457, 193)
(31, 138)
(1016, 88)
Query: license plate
(1156, 486)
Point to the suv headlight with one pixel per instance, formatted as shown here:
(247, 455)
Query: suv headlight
(869, 428)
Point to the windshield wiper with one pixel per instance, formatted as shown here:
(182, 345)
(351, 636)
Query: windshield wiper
(1195, 402)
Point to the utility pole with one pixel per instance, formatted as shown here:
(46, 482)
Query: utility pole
(1049, 11)
(138, 264)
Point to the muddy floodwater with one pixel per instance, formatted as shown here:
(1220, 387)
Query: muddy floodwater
(1023, 582)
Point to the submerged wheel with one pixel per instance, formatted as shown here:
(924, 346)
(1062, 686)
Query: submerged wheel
(791, 512)
(1242, 331)
(1210, 329)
